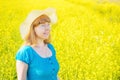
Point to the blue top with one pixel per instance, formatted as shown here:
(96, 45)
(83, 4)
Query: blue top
(39, 68)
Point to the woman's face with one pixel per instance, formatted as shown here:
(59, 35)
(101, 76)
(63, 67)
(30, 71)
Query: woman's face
(43, 31)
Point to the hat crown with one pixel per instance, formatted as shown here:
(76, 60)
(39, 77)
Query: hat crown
(32, 16)
(50, 12)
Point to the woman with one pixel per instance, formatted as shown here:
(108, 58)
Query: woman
(36, 59)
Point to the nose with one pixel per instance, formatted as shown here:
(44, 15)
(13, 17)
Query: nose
(47, 26)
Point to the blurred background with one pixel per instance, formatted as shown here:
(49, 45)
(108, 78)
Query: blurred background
(86, 37)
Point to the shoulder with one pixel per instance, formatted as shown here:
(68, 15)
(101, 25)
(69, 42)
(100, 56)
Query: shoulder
(50, 44)
(23, 54)
(23, 51)
(51, 47)
(25, 48)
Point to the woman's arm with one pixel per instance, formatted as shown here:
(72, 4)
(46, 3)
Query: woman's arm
(21, 70)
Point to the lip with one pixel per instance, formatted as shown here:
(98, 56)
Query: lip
(47, 33)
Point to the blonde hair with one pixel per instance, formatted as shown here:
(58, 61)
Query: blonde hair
(30, 38)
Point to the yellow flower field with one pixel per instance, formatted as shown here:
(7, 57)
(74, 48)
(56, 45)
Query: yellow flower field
(86, 37)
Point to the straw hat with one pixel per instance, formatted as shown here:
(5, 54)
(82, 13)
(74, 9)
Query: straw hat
(25, 26)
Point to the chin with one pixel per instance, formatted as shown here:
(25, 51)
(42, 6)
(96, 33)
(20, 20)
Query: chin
(45, 38)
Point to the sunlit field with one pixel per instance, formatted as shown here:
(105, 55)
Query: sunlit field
(86, 37)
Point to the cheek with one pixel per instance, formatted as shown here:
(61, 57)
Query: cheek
(38, 30)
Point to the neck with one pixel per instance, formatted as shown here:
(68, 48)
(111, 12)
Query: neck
(40, 43)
